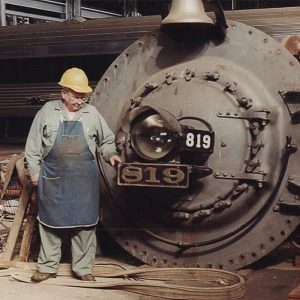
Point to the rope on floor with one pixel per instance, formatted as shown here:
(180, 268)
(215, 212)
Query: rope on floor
(168, 283)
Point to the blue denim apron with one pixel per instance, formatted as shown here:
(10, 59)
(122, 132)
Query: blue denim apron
(68, 186)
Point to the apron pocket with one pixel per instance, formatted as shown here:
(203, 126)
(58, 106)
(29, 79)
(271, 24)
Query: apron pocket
(51, 187)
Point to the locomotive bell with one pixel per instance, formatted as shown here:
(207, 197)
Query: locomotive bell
(187, 11)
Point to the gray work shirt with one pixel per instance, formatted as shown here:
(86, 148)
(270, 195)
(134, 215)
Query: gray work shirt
(44, 129)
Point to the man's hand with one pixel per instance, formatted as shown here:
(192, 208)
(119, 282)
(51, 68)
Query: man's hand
(35, 179)
(115, 160)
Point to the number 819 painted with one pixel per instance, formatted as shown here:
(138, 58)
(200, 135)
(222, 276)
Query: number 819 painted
(199, 140)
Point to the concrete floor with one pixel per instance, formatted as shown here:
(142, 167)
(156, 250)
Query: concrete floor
(13, 290)
(274, 282)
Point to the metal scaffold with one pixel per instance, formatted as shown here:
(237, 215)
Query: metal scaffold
(15, 12)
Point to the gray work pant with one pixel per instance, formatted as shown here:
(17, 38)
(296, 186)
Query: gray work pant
(83, 249)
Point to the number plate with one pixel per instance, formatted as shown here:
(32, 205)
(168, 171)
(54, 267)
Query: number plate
(155, 175)
(198, 140)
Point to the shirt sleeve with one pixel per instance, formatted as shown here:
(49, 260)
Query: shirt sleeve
(106, 140)
(33, 147)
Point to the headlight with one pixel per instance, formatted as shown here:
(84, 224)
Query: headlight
(151, 138)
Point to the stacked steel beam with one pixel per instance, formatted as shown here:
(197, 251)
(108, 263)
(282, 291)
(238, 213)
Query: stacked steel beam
(102, 37)
(113, 35)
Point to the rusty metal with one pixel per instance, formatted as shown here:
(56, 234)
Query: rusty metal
(91, 37)
(292, 43)
(225, 222)
(25, 99)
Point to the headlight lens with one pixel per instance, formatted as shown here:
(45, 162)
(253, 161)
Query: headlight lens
(151, 139)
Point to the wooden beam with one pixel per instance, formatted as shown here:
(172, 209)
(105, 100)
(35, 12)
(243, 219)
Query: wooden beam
(29, 228)
(18, 221)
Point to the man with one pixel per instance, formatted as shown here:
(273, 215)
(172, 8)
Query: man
(60, 153)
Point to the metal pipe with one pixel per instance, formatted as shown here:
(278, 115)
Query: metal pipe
(2, 13)
(233, 4)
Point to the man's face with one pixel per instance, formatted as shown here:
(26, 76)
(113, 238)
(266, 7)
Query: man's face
(73, 100)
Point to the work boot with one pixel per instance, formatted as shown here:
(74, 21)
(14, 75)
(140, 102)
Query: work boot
(40, 276)
(87, 277)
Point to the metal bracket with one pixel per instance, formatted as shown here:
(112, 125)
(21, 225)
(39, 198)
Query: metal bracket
(294, 184)
(292, 101)
(292, 206)
(258, 177)
(188, 74)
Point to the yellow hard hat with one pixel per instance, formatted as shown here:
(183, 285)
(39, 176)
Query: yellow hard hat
(76, 80)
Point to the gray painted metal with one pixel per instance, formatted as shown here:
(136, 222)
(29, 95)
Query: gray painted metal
(220, 221)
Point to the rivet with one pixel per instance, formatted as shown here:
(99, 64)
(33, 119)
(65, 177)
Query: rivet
(265, 40)
(250, 32)
(291, 63)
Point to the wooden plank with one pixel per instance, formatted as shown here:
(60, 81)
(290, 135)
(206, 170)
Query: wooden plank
(17, 223)
(29, 228)
(295, 293)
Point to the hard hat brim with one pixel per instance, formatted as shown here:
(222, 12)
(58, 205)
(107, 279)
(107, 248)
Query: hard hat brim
(78, 89)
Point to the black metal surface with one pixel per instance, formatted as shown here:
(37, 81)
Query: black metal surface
(231, 217)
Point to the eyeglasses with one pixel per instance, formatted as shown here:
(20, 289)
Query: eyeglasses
(74, 98)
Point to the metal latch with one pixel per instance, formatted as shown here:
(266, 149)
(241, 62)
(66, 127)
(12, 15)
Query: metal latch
(250, 115)
(258, 177)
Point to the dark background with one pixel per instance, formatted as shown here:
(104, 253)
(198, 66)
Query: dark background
(161, 7)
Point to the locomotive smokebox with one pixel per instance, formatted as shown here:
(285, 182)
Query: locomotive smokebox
(208, 134)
